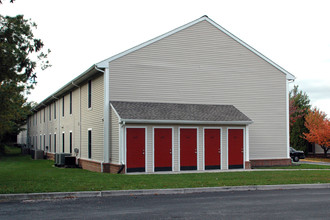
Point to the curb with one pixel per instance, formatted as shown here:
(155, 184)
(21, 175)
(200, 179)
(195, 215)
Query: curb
(89, 194)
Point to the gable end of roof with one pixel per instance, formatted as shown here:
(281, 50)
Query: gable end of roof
(105, 63)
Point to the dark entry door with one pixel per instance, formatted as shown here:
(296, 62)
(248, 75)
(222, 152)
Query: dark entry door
(163, 149)
(235, 148)
(212, 148)
(188, 149)
(135, 147)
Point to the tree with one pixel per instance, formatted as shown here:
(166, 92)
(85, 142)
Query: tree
(298, 109)
(20, 56)
(319, 129)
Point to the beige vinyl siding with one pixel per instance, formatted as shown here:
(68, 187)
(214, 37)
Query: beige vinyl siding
(76, 119)
(92, 118)
(202, 65)
(70, 122)
(114, 138)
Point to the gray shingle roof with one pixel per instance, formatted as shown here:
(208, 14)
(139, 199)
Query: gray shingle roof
(146, 111)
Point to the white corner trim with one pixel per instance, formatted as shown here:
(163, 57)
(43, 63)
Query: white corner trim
(106, 117)
(115, 111)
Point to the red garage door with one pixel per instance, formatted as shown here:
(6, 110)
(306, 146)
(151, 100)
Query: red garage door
(235, 148)
(163, 149)
(135, 147)
(188, 149)
(212, 148)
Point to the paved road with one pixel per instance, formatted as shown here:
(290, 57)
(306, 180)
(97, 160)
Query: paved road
(276, 204)
(313, 162)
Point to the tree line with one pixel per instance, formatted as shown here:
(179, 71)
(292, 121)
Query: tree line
(307, 125)
(21, 56)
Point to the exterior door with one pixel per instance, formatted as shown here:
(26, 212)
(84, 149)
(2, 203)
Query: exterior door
(188, 149)
(163, 149)
(135, 147)
(235, 148)
(212, 148)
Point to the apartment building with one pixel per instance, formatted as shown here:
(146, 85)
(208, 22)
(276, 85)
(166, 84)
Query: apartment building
(195, 98)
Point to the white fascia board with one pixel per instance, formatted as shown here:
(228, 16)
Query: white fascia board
(289, 76)
(70, 85)
(105, 63)
(115, 112)
(142, 121)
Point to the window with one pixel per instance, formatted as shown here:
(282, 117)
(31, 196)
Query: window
(89, 94)
(89, 144)
(50, 112)
(44, 115)
(70, 103)
(54, 110)
(70, 142)
(40, 117)
(44, 142)
(50, 143)
(40, 143)
(63, 106)
(54, 143)
(63, 142)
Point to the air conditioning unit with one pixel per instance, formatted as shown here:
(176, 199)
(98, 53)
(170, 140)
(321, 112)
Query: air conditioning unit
(70, 162)
(39, 154)
(56, 159)
(60, 159)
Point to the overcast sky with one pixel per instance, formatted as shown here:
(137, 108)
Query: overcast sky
(293, 34)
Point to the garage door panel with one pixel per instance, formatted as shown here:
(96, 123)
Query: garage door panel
(188, 149)
(135, 149)
(163, 149)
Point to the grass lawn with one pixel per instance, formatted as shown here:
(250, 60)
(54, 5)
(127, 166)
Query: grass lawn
(21, 174)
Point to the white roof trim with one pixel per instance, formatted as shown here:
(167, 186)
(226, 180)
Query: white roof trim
(146, 121)
(105, 63)
(119, 118)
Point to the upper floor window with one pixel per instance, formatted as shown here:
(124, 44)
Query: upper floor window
(70, 103)
(89, 94)
(50, 112)
(54, 110)
(63, 106)
(44, 115)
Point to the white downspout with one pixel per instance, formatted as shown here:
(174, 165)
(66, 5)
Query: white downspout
(106, 115)
(287, 119)
(247, 144)
(122, 142)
